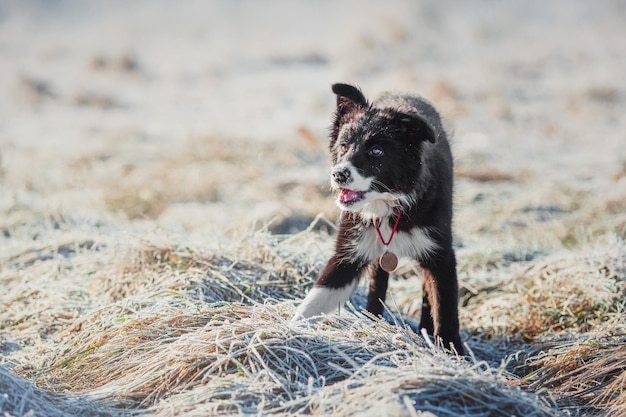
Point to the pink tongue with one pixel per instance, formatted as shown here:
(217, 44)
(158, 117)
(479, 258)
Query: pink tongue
(345, 196)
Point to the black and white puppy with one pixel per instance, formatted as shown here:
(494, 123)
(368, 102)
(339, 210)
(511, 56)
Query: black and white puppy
(392, 171)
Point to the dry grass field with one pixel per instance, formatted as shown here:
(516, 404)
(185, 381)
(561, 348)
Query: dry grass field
(164, 206)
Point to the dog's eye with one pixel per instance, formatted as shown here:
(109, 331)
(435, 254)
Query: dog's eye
(376, 151)
(343, 148)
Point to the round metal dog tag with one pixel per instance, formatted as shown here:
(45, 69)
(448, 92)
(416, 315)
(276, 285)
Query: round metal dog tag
(388, 261)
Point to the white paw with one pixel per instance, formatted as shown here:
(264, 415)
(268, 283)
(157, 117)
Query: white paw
(324, 300)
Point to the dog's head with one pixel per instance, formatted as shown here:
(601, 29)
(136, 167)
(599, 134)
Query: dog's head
(376, 151)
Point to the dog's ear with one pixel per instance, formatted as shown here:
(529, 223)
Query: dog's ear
(348, 98)
(417, 127)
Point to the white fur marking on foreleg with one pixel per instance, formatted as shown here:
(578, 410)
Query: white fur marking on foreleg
(324, 300)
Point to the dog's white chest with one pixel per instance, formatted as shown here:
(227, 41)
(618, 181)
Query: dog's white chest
(414, 244)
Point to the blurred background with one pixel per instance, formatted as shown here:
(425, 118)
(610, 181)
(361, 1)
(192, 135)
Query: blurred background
(143, 144)
(197, 115)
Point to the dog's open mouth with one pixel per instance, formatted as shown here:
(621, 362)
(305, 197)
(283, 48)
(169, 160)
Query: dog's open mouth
(350, 196)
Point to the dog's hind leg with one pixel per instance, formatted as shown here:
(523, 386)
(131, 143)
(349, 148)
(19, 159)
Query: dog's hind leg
(426, 321)
(441, 294)
(332, 289)
(378, 281)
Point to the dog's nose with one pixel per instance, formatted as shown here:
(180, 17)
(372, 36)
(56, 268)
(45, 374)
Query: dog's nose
(341, 175)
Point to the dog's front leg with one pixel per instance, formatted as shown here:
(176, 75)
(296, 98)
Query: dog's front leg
(379, 280)
(332, 289)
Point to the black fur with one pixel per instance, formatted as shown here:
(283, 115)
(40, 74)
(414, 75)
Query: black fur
(398, 148)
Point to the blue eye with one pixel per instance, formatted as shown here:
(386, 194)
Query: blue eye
(376, 151)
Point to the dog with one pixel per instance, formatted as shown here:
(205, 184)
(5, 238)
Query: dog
(392, 171)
